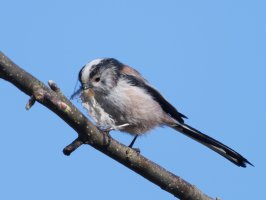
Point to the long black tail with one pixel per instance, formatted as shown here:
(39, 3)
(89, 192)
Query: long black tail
(213, 144)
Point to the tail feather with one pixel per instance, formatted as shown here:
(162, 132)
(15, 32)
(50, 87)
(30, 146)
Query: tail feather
(213, 144)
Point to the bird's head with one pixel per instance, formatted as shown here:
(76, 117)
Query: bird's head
(99, 76)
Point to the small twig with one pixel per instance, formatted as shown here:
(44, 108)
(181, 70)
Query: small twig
(30, 103)
(73, 146)
(53, 86)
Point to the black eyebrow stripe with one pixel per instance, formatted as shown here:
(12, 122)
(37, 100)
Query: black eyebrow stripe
(104, 64)
(94, 70)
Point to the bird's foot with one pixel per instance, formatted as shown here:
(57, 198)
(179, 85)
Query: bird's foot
(137, 150)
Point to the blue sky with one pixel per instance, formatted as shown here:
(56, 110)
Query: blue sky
(206, 57)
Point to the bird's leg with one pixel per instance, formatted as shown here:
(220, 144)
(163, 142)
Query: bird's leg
(134, 139)
(132, 143)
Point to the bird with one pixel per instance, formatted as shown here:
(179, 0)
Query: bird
(118, 97)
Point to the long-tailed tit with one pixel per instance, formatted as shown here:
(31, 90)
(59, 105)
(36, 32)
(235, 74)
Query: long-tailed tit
(117, 97)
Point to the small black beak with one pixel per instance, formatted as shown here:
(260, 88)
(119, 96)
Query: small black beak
(85, 86)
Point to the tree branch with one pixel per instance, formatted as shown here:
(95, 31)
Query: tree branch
(54, 100)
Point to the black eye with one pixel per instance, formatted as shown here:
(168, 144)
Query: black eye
(97, 79)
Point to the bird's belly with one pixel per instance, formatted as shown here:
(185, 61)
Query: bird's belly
(133, 121)
(139, 113)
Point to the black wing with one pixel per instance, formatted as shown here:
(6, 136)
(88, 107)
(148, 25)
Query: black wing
(166, 106)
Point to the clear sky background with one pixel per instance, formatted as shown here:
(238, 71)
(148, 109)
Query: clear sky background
(207, 57)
